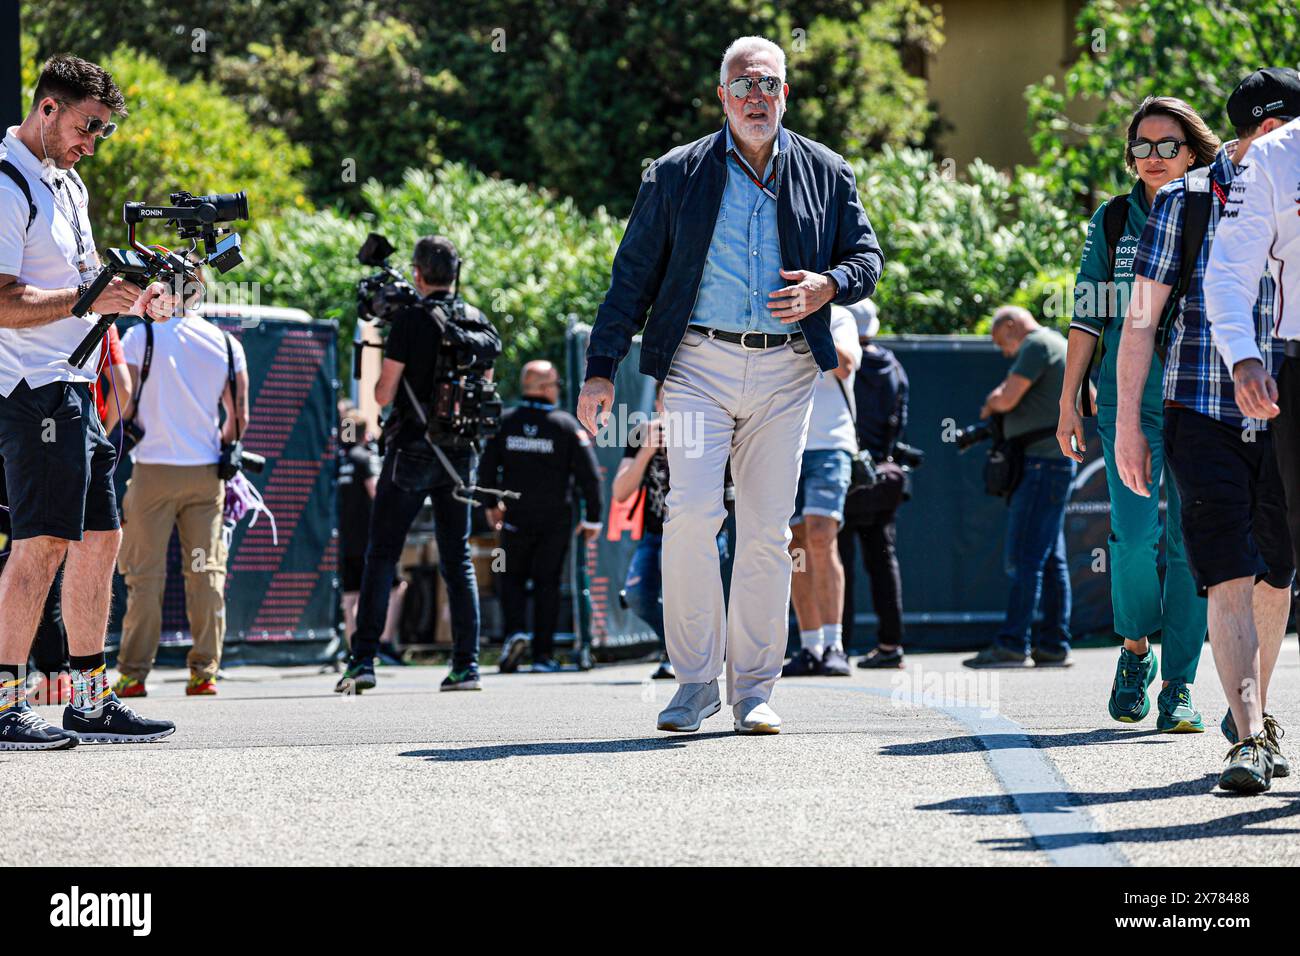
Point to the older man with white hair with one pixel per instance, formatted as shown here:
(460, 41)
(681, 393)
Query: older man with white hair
(736, 247)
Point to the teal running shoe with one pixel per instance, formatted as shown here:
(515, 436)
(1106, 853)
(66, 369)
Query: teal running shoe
(1176, 713)
(1129, 702)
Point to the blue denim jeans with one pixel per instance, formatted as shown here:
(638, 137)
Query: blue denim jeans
(407, 478)
(643, 587)
(1035, 558)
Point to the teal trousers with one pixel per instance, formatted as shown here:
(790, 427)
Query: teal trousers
(1141, 606)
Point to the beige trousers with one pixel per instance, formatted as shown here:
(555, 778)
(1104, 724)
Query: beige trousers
(190, 498)
(722, 400)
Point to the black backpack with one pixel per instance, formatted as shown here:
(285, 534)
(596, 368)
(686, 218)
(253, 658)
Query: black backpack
(467, 333)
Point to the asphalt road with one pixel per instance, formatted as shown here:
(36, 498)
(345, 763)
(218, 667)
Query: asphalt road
(933, 765)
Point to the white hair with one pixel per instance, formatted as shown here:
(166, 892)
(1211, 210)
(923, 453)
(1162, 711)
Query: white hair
(751, 45)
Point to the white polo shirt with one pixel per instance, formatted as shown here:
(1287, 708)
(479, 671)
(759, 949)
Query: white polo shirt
(831, 425)
(178, 407)
(1261, 223)
(45, 257)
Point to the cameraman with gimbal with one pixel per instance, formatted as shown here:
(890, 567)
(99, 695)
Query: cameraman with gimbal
(436, 375)
(58, 462)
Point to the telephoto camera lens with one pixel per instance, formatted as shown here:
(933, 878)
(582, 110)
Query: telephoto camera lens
(229, 206)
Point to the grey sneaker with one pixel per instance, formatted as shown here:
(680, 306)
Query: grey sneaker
(1249, 766)
(689, 706)
(753, 716)
(1273, 734)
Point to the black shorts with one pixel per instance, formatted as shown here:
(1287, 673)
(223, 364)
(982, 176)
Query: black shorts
(1234, 508)
(350, 568)
(58, 462)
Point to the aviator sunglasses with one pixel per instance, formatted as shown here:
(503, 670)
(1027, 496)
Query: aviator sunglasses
(768, 85)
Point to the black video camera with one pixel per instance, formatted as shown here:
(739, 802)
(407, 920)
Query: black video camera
(195, 218)
(972, 435)
(383, 294)
(235, 458)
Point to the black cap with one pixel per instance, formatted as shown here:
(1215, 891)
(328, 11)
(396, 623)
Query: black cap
(1272, 91)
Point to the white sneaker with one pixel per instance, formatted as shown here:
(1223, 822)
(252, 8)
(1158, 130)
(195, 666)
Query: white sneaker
(753, 716)
(689, 706)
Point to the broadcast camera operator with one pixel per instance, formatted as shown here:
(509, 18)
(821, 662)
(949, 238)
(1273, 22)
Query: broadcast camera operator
(1024, 409)
(58, 462)
(432, 330)
(189, 374)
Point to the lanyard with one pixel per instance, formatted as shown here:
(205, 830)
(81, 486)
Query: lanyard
(770, 193)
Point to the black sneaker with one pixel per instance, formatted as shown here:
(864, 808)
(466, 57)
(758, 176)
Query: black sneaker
(995, 655)
(463, 679)
(664, 671)
(1250, 766)
(835, 663)
(359, 676)
(878, 657)
(115, 723)
(1045, 658)
(512, 654)
(803, 664)
(21, 728)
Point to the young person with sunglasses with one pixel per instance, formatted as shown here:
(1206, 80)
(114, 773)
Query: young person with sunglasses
(1234, 511)
(58, 461)
(736, 247)
(1166, 138)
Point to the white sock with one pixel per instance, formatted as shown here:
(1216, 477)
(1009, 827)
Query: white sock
(833, 636)
(812, 641)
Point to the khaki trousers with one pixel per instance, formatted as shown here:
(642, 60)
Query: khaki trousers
(723, 400)
(158, 498)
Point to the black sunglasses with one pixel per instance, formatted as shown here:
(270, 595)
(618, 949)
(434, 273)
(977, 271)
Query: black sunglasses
(1166, 148)
(95, 124)
(768, 85)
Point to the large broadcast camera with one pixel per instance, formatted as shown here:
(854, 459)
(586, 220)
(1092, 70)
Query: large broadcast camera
(465, 407)
(195, 218)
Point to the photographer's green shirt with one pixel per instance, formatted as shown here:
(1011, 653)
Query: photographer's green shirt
(1041, 359)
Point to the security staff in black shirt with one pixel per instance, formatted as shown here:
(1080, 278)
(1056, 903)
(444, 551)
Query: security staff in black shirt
(540, 452)
(412, 472)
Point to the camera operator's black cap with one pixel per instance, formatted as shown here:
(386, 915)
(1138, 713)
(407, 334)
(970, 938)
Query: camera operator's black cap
(1272, 91)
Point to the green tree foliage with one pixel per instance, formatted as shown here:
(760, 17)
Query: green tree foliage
(530, 260)
(575, 97)
(956, 249)
(181, 135)
(1131, 50)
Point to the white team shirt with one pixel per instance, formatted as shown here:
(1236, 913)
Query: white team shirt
(44, 257)
(831, 425)
(1261, 222)
(178, 406)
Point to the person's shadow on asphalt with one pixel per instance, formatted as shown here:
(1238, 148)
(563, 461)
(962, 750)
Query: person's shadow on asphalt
(563, 748)
(974, 743)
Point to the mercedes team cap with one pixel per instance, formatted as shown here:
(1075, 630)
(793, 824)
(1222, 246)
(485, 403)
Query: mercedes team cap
(1272, 91)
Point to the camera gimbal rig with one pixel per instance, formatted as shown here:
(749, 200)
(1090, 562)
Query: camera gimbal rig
(195, 219)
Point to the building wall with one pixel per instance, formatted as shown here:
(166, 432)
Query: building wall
(993, 49)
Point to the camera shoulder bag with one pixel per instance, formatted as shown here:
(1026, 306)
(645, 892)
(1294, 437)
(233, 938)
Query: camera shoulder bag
(872, 487)
(10, 170)
(1005, 465)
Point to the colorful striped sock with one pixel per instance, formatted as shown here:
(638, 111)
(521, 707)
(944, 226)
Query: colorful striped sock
(13, 686)
(89, 687)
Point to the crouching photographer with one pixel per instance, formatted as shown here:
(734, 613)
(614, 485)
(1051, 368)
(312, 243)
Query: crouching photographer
(437, 375)
(187, 374)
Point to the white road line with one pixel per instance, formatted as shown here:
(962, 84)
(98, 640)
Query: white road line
(1027, 775)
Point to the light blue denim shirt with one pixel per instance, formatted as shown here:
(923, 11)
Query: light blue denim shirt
(744, 260)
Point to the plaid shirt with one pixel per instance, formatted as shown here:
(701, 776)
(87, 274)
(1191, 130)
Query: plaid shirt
(1195, 375)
